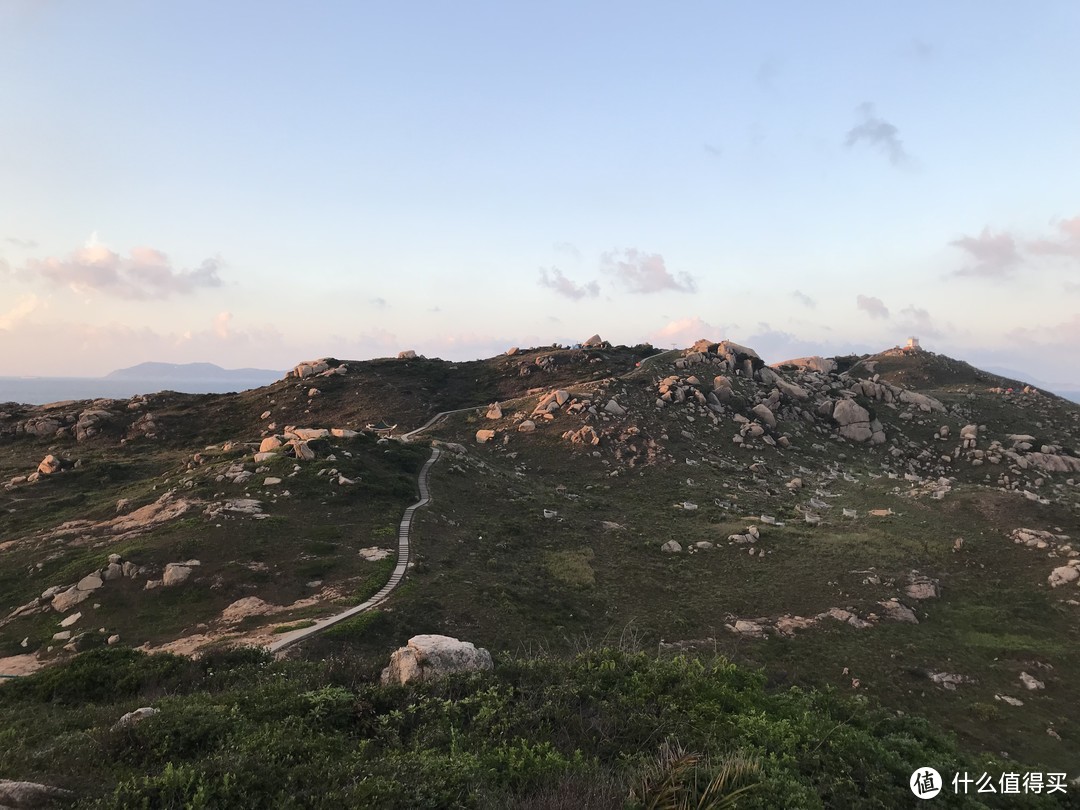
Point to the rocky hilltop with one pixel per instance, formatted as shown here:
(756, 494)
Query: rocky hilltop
(900, 524)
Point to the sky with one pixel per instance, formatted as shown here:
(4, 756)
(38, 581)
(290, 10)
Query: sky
(261, 183)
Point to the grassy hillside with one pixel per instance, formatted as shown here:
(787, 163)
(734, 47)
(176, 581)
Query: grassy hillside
(889, 530)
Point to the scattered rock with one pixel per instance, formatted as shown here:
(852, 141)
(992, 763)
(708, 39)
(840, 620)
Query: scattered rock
(430, 657)
(921, 587)
(269, 444)
(175, 574)
(949, 680)
(614, 408)
(1031, 683)
(50, 465)
(898, 612)
(1063, 575)
(134, 717)
(91, 582)
(671, 547)
(66, 600)
(374, 553)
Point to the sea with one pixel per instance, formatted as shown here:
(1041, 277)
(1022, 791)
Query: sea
(41, 390)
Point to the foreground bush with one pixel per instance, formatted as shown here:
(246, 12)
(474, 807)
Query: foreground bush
(602, 729)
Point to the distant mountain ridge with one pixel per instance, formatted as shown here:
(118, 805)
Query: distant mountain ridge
(192, 371)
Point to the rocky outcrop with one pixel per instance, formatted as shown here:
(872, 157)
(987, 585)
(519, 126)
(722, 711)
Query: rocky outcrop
(90, 422)
(822, 365)
(19, 795)
(853, 419)
(309, 368)
(430, 657)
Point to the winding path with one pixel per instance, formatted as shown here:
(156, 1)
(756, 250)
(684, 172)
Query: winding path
(404, 529)
(288, 639)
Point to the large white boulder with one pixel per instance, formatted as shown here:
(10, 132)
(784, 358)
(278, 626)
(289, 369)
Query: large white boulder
(430, 657)
(1063, 576)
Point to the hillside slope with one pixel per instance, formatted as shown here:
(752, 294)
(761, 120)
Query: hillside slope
(900, 525)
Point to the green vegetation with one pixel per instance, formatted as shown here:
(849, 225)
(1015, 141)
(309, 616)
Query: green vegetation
(624, 729)
(571, 567)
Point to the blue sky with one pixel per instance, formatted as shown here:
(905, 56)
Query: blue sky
(256, 183)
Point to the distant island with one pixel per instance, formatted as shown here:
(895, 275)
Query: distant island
(192, 372)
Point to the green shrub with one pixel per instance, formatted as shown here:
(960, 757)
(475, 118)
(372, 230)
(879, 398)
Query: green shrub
(103, 675)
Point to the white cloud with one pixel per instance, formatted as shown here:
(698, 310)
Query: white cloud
(804, 299)
(568, 288)
(919, 322)
(644, 272)
(879, 133)
(872, 306)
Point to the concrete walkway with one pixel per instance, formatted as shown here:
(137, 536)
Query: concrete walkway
(404, 529)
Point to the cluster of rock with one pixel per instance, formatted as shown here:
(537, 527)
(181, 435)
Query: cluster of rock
(787, 625)
(1056, 545)
(550, 362)
(50, 465)
(81, 421)
(759, 397)
(299, 443)
(325, 367)
(235, 506)
(1018, 450)
(549, 407)
(915, 585)
(430, 657)
(62, 598)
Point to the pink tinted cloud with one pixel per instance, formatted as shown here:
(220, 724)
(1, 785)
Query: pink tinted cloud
(146, 273)
(644, 272)
(995, 255)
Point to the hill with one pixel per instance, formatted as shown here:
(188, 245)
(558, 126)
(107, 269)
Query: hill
(900, 526)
